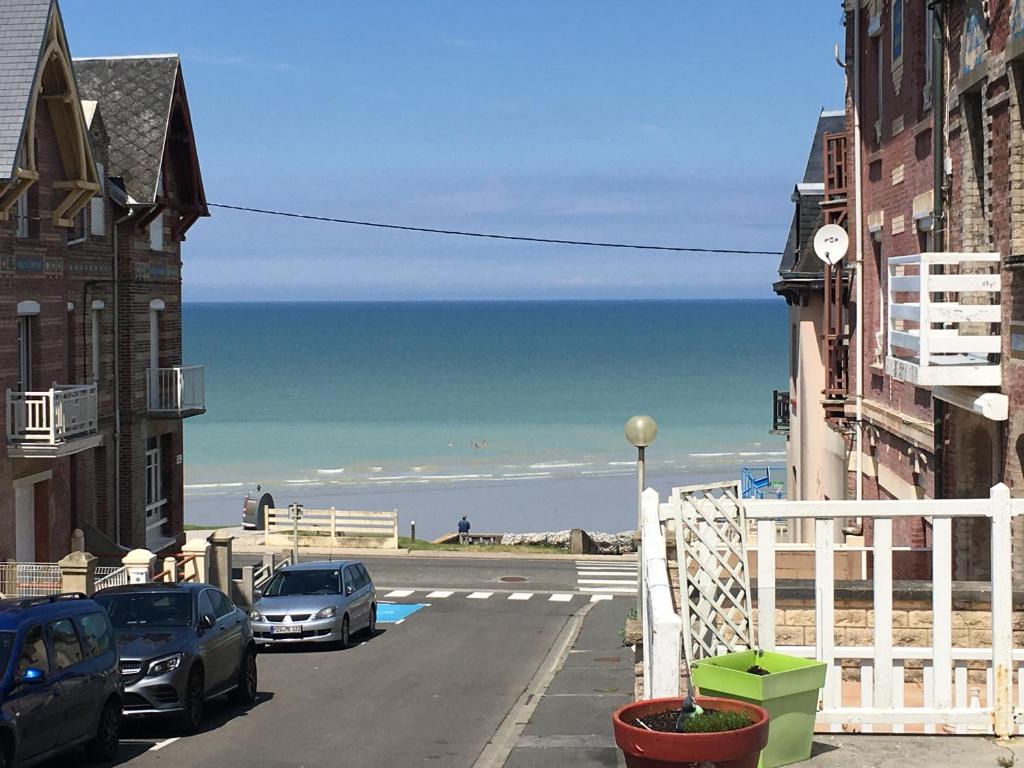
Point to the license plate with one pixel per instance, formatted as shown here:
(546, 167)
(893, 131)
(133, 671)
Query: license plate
(287, 629)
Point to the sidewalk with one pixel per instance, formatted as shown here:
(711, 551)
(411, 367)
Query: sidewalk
(571, 726)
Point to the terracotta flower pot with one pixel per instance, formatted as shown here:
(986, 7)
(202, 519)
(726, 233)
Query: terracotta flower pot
(653, 749)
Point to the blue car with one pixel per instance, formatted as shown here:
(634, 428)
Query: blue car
(60, 682)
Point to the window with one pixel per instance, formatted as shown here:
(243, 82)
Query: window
(21, 216)
(33, 652)
(206, 604)
(97, 206)
(79, 227)
(156, 227)
(97, 307)
(929, 52)
(154, 492)
(897, 29)
(221, 605)
(67, 650)
(351, 579)
(25, 323)
(366, 574)
(129, 610)
(96, 633)
(881, 89)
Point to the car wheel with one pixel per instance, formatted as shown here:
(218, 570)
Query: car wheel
(195, 702)
(6, 752)
(103, 747)
(371, 628)
(245, 693)
(343, 642)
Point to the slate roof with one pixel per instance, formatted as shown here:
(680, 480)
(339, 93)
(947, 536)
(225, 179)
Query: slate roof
(798, 257)
(134, 94)
(23, 26)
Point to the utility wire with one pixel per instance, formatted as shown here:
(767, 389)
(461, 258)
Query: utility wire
(490, 235)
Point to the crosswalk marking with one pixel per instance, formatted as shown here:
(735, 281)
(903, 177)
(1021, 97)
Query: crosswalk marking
(479, 595)
(399, 593)
(520, 596)
(560, 597)
(441, 593)
(602, 576)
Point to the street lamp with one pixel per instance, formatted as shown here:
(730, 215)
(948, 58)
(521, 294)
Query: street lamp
(641, 431)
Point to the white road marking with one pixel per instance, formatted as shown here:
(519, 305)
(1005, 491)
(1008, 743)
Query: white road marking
(597, 576)
(441, 593)
(520, 596)
(630, 572)
(560, 598)
(618, 582)
(399, 621)
(479, 595)
(599, 598)
(164, 743)
(399, 593)
(617, 590)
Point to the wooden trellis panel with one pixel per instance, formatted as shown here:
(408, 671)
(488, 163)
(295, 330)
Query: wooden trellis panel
(714, 576)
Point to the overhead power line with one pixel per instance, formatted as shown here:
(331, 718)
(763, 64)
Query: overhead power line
(491, 235)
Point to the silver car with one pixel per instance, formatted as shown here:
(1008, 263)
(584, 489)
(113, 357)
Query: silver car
(322, 602)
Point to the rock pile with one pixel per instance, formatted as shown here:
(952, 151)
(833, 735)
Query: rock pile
(607, 543)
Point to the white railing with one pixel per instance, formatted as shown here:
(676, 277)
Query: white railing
(662, 626)
(176, 390)
(30, 579)
(944, 317)
(51, 417)
(883, 664)
(265, 572)
(110, 576)
(328, 526)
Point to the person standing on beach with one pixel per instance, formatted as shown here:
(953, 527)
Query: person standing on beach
(463, 530)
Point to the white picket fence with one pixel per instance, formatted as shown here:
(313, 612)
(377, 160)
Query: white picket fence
(111, 576)
(333, 527)
(946, 695)
(29, 579)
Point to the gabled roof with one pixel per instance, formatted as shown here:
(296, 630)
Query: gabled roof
(798, 258)
(23, 25)
(135, 95)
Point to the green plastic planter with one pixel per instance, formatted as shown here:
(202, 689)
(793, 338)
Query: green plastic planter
(789, 693)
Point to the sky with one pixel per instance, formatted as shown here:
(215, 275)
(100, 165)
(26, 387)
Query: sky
(668, 122)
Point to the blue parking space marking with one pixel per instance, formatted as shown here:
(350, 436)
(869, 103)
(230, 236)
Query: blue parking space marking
(393, 613)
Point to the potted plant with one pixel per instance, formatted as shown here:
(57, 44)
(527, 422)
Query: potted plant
(786, 686)
(727, 733)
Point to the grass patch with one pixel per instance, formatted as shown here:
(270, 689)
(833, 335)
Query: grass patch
(716, 722)
(193, 527)
(419, 544)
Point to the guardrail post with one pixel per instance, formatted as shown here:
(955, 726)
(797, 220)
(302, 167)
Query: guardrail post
(220, 560)
(139, 564)
(78, 573)
(200, 550)
(1002, 613)
(245, 587)
(170, 570)
(77, 540)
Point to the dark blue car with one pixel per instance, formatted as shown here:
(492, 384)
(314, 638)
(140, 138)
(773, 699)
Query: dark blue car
(60, 684)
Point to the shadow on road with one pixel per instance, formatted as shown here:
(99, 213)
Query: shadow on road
(287, 648)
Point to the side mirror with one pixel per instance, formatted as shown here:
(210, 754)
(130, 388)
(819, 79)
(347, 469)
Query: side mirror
(206, 621)
(32, 675)
(349, 590)
(257, 594)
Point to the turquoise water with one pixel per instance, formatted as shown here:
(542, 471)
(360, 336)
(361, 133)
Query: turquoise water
(377, 394)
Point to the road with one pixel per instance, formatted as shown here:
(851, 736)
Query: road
(430, 690)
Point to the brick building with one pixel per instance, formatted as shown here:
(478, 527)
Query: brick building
(99, 182)
(932, 292)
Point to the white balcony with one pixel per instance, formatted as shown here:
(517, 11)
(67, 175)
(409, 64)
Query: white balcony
(57, 422)
(944, 319)
(176, 392)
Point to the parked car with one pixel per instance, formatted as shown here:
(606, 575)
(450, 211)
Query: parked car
(321, 602)
(59, 680)
(181, 645)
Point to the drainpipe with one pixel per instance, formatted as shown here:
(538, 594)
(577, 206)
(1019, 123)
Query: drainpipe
(117, 382)
(859, 255)
(938, 199)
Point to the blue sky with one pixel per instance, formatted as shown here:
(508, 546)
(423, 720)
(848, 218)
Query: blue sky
(673, 122)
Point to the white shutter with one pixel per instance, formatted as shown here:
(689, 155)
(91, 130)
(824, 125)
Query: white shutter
(156, 233)
(98, 206)
(21, 215)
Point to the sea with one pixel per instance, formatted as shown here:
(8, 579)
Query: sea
(511, 413)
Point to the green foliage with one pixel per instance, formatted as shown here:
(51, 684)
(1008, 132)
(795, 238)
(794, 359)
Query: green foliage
(716, 721)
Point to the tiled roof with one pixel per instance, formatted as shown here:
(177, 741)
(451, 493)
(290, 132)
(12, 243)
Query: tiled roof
(798, 258)
(22, 31)
(134, 94)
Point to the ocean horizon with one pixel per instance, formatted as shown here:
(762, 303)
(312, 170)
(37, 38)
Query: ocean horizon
(381, 402)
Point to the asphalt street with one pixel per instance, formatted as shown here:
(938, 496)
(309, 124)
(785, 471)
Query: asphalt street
(431, 690)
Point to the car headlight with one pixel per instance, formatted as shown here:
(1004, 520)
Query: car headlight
(326, 613)
(255, 615)
(164, 665)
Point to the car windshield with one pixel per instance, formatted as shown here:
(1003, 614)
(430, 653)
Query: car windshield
(304, 583)
(6, 644)
(129, 610)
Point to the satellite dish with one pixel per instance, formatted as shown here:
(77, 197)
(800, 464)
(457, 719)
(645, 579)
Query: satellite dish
(831, 243)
